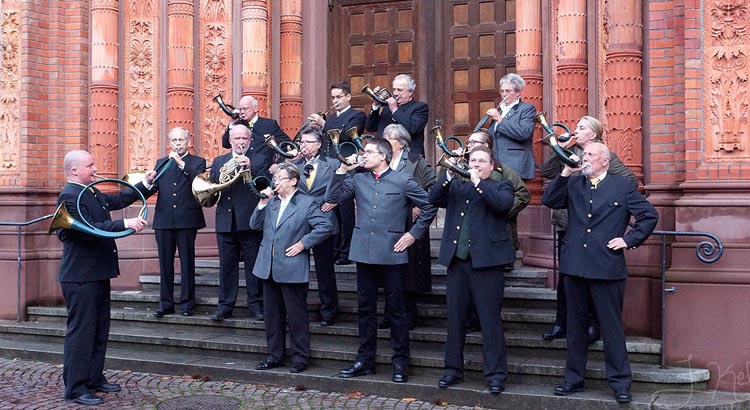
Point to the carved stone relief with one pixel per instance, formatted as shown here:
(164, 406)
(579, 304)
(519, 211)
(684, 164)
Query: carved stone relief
(10, 106)
(215, 65)
(725, 65)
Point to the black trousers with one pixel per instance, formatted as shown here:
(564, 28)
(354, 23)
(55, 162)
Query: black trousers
(326, 275)
(233, 247)
(287, 303)
(346, 218)
(607, 297)
(392, 278)
(486, 286)
(167, 242)
(561, 318)
(86, 336)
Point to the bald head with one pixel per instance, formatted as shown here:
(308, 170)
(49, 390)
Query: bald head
(595, 159)
(78, 166)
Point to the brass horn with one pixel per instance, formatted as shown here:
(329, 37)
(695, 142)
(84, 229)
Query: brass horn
(357, 139)
(228, 109)
(380, 94)
(208, 193)
(553, 140)
(458, 169)
(335, 136)
(441, 143)
(62, 219)
(307, 122)
(279, 148)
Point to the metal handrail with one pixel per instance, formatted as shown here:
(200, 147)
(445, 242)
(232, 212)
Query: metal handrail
(18, 262)
(707, 252)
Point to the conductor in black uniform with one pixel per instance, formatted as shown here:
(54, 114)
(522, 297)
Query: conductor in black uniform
(88, 263)
(177, 218)
(600, 206)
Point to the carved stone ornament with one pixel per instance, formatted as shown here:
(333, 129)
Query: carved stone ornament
(726, 66)
(10, 106)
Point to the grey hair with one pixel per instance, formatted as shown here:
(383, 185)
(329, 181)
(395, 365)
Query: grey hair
(410, 83)
(514, 80)
(400, 132)
(185, 133)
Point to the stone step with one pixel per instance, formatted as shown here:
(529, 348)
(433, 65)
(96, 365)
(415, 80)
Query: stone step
(430, 337)
(234, 348)
(472, 392)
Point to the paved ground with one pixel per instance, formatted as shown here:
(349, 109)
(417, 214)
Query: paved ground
(35, 385)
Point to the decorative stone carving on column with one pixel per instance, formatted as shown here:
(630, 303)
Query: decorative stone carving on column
(180, 65)
(290, 97)
(529, 59)
(141, 115)
(10, 104)
(216, 72)
(622, 27)
(572, 66)
(255, 54)
(725, 65)
(103, 88)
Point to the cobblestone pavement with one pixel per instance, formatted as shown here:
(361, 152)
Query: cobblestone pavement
(34, 385)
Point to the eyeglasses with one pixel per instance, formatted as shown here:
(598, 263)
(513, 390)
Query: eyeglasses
(370, 152)
(279, 179)
(472, 142)
(308, 142)
(507, 91)
(390, 137)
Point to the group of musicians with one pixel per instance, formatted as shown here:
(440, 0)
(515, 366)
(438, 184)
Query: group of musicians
(308, 206)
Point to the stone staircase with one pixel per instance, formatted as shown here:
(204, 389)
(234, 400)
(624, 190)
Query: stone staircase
(231, 349)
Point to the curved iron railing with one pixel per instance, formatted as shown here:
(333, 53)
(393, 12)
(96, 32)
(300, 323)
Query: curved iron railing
(706, 251)
(18, 261)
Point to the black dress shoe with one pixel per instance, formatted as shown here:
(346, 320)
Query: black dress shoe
(557, 333)
(88, 399)
(187, 313)
(473, 326)
(594, 334)
(327, 322)
(449, 380)
(358, 369)
(268, 365)
(496, 386)
(109, 388)
(384, 324)
(221, 315)
(566, 389)
(159, 313)
(257, 316)
(298, 367)
(343, 261)
(400, 374)
(623, 396)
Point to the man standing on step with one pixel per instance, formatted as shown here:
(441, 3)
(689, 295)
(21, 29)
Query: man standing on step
(384, 205)
(88, 263)
(475, 247)
(600, 206)
(177, 218)
(316, 171)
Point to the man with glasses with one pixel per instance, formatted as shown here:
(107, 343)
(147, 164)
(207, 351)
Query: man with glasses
(512, 127)
(345, 118)
(316, 171)
(402, 109)
(291, 223)
(235, 240)
(384, 205)
(177, 218)
(259, 127)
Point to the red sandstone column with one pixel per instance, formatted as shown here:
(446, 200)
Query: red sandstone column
(622, 85)
(215, 76)
(180, 69)
(291, 66)
(572, 68)
(141, 64)
(103, 88)
(529, 62)
(255, 54)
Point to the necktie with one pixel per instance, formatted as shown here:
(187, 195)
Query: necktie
(594, 182)
(377, 176)
(309, 174)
